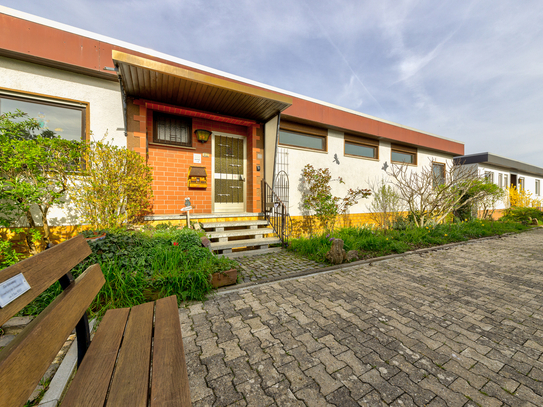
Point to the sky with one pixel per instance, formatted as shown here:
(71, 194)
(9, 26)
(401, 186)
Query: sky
(471, 71)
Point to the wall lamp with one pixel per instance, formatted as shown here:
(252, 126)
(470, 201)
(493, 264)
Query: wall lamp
(203, 135)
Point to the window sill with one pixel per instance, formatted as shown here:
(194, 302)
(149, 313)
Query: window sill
(172, 146)
(312, 150)
(361, 158)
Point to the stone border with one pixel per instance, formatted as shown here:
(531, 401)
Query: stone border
(305, 273)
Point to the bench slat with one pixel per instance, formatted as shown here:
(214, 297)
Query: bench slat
(42, 270)
(25, 360)
(90, 385)
(170, 383)
(130, 384)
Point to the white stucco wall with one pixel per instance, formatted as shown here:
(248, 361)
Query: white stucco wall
(104, 98)
(529, 180)
(355, 172)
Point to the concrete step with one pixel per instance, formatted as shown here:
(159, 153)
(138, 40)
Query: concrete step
(240, 232)
(247, 253)
(234, 244)
(239, 223)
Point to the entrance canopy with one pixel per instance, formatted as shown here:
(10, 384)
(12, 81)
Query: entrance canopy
(152, 80)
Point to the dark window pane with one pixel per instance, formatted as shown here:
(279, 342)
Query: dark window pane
(172, 130)
(301, 140)
(359, 150)
(402, 157)
(63, 121)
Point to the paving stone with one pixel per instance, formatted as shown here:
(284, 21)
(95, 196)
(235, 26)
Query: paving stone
(326, 382)
(387, 391)
(224, 391)
(437, 327)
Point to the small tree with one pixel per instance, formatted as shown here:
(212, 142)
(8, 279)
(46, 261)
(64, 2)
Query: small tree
(386, 205)
(429, 197)
(34, 171)
(115, 188)
(317, 196)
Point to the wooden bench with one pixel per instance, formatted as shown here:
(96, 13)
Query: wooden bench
(136, 357)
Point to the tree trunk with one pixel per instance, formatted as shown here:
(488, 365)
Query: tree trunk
(46, 230)
(28, 236)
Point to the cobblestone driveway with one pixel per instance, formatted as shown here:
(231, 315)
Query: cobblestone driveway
(458, 327)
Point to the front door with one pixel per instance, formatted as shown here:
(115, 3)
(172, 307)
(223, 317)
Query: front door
(229, 152)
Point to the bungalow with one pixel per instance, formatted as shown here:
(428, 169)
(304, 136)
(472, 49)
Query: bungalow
(212, 137)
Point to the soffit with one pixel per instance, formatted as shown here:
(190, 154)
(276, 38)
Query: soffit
(153, 80)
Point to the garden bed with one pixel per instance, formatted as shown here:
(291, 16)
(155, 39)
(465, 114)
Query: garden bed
(145, 265)
(370, 242)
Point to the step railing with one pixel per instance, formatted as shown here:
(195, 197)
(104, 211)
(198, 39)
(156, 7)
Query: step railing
(276, 213)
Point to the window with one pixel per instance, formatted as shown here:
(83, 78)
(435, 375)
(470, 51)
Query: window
(537, 187)
(64, 119)
(403, 154)
(171, 129)
(302, 135)
(438, 170)
(521, 184)
(505, 181)
(500, 180)
(361, 147)
(302, 140)
(489, 177)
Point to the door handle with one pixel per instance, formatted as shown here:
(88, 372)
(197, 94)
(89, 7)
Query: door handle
(242, 178)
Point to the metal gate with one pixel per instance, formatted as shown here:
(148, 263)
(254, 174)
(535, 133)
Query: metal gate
(280, 187)
(229, 173)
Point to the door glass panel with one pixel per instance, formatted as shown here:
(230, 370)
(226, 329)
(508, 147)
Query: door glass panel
(229, 186)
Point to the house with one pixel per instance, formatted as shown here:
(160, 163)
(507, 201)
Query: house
(505, 173)
(84, 85)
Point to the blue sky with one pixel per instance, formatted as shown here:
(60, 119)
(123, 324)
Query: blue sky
(467, 70)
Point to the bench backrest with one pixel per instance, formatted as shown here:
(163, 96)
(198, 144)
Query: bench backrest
(26, 359)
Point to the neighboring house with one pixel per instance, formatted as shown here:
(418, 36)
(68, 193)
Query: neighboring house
(77, 82)
(505, 173)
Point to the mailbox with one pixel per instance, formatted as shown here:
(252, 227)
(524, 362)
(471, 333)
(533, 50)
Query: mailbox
(197, 177)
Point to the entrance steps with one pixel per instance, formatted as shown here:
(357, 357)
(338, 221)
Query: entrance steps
(240, 237)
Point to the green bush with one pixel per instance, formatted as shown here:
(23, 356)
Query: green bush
(139, 266)
(525, 215)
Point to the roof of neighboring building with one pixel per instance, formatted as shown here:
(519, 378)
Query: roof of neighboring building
(499, 161)
(39, 40)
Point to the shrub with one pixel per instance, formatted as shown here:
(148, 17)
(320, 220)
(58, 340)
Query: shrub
(115, 187)
(521, 214)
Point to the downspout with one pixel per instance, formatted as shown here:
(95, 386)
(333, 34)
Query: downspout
(123, 97)
(276, 147)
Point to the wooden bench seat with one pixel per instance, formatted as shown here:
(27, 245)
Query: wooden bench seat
(135, 359)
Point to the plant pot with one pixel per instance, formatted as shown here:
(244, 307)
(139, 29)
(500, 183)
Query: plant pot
(223, 278)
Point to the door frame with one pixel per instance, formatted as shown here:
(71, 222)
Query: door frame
(213, 205)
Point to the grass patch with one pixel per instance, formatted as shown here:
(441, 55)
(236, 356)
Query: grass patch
(140, 266)
(371, 242)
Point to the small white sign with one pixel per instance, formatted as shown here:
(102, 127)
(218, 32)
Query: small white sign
(12, 289)
(186, 208)
(197, 159)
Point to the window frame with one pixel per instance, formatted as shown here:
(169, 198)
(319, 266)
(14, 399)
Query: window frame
(444, 172)
(521, 184)
(538, 187)
(361, 141)
(188, 123)
(489, 176)
(47, 100)
(398, 148)
(303, 130)
(506, 181)
(500, 180)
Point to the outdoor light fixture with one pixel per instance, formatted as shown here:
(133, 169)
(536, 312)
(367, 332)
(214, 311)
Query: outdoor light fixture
(203, 135)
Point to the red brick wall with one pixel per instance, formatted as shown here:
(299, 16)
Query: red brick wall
(171, 165)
